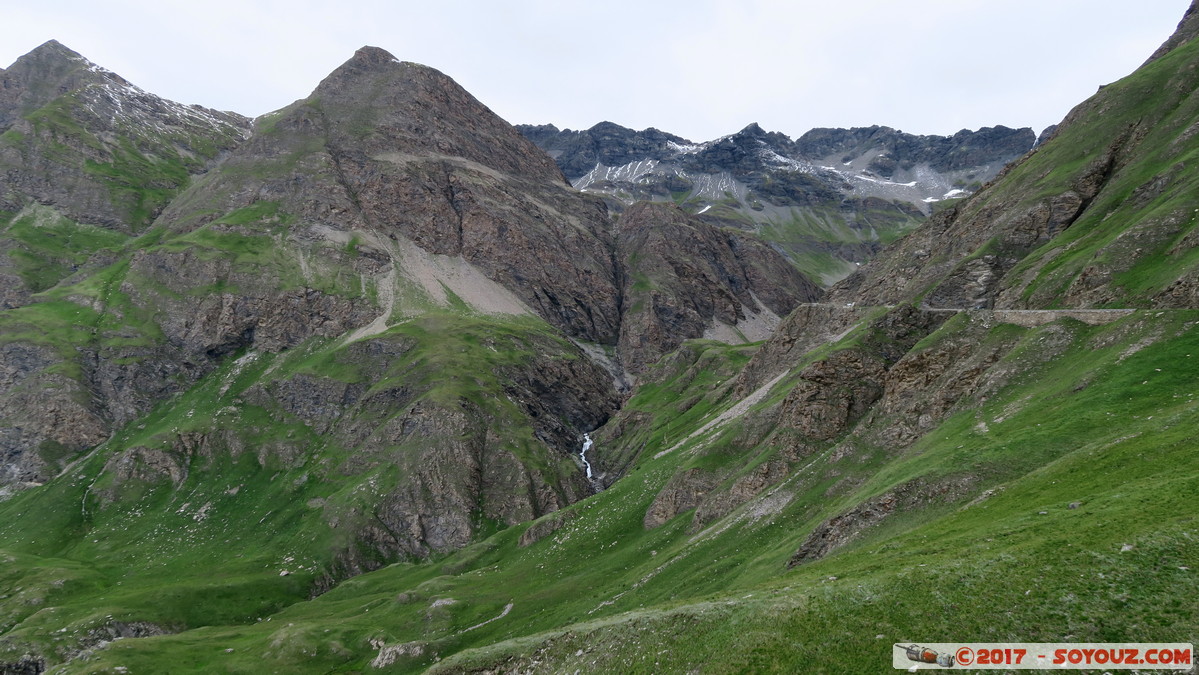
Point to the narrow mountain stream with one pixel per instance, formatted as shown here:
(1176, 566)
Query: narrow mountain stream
(583, 454)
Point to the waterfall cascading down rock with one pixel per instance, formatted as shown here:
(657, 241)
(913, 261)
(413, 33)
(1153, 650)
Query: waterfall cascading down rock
(583, 454)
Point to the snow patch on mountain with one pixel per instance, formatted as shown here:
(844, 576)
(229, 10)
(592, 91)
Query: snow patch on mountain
(769, 156)
(685, 148)
(717, 186)
(628, 173)
(117, 97)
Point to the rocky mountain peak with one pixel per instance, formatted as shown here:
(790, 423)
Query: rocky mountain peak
(50, 70)
(49, 49)
(369, 56)
(368, 61)
(375, 103)
(85, 141)
(609, 128)
(752, 130)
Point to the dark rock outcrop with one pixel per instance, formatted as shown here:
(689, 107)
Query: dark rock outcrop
(685, 491)
(26, 665)
(853, 523)
(577, 152)
(686, 277)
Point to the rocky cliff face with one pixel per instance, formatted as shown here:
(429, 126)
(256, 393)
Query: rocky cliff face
(686, 279)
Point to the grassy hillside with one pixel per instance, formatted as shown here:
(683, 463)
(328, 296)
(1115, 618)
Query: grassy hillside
(1059, 524)
(1139, 231)
(223, 505)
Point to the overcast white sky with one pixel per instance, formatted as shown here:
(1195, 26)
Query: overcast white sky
(700, 69)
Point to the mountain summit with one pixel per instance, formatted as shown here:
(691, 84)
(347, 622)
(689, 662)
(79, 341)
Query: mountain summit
(43, 74)
(89, 160)
(417, 109)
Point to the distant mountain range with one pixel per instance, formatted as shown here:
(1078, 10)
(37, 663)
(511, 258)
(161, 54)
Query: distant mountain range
(828, 200)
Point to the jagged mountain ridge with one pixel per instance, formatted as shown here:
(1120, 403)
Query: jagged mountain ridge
(828, 199)
(873, 152)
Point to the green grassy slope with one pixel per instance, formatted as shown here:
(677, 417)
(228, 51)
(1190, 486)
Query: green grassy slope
(1004, 559)
(221, 506)
(825, 243)
(1139, 229)
(47, 247)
